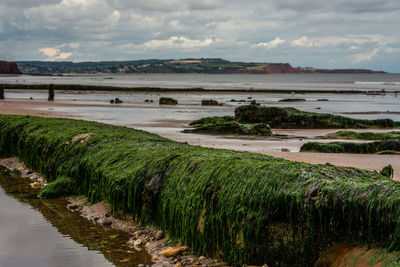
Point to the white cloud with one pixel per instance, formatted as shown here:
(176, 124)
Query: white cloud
(174, 42)
(357, 58)
(54, 53)
(272, 44)
(304, 42)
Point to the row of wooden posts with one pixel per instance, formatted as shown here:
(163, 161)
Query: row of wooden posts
(51, 92)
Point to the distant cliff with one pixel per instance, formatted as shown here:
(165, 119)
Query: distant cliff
(9, 68)
(189, 65)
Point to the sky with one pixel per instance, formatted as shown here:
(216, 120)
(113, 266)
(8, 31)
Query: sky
(308, 33)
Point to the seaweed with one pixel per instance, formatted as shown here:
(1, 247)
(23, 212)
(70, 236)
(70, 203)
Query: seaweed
(247, 208)
(365, 135)
(293, 118)
(382, 147)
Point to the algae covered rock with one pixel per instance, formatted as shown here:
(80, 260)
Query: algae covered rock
(293, 118)
(231, 127)
(167, 101)
(210, 102)
(348, 147)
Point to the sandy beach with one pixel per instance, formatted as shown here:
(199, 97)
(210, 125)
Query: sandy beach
(171, 128)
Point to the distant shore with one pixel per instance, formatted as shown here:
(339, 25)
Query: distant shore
(88, 88)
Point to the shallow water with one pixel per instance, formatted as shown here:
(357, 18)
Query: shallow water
(226, 81)
(37, 232)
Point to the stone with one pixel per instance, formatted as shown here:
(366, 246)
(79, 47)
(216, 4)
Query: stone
(168, 101)
(141, 265)
(201, 258)
(173, 251)
(210, 102)
(137, 243)
(35, 185)
(159, 235)
(178, 264)
(107, 222)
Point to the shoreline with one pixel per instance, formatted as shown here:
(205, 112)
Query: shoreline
(153, 240)
(43, 108)
(99, 88)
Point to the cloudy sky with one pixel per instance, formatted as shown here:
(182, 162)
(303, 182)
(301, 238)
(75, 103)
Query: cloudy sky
(324, 33)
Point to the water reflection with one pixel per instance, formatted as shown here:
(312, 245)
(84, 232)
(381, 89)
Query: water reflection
(37, 232)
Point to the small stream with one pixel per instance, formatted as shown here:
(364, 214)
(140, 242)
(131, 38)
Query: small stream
(43, 232)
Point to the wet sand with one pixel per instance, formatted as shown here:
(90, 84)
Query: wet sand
(289, 139)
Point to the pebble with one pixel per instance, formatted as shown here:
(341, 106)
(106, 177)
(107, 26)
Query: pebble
(140, 265)
(201, 258)
(107, 222)
(137, 243)
(159, 235)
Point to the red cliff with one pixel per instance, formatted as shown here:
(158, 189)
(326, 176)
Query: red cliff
(9, 68)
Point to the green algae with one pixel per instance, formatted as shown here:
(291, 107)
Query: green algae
(228, 125)
(248, 208)
(365, 135)
(382, 147)
(288, 118)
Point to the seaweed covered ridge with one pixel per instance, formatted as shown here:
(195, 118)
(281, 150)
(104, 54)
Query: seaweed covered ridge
(245, 207)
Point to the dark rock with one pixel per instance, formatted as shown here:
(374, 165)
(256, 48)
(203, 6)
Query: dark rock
(72, 207)
(107, 222)
(210, 102)
(159, 235)
(292, 100)
(168, 101)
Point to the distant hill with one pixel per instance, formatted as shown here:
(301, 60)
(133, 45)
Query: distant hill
(9, 68)
(189, 65)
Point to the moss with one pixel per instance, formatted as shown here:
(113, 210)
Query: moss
(365, 135)
(293, 118)
(347, 147)
(248, 208)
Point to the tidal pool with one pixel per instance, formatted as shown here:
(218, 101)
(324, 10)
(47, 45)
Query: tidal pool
(43, 232)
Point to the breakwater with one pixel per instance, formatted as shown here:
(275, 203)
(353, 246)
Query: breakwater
(245, 207)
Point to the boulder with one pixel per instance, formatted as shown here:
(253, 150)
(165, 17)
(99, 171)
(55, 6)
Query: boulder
(168, 101)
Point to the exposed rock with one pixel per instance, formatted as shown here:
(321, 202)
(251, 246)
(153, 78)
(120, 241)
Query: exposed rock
(292, 100)
(107, 222)
(35, 185)
(9, 68)
(168, 101)
(159, 235)
(210, 102)
(116, 101)
(173, 251)
(137, 243)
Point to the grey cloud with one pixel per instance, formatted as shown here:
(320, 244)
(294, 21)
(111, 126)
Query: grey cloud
(106, 29)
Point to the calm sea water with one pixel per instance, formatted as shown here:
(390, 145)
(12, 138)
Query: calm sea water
(237, 81)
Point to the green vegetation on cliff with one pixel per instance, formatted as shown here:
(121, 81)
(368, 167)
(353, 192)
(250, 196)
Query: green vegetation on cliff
(293, 118)
(245, 207)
